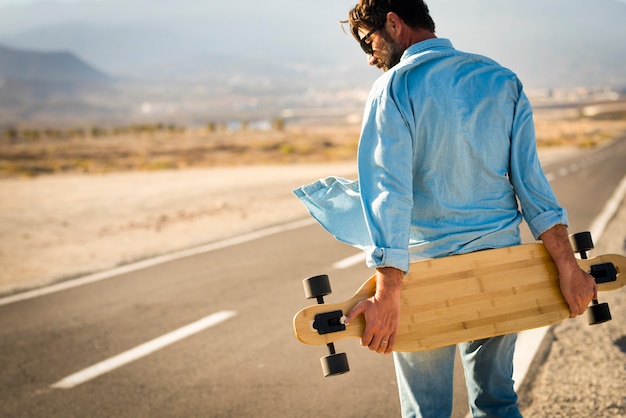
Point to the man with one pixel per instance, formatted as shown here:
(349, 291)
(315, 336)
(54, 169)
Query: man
(447, 148)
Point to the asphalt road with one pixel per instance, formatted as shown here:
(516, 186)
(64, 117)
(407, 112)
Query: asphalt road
(210, 335)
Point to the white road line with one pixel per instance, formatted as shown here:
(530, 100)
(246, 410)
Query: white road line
(528, 343)
(350, 261)
(142, 350)
(96, 277)
(599, 224)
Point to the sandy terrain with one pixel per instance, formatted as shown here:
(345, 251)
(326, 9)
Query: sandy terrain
(55, 227)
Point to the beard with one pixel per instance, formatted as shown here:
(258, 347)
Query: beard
(390, 53)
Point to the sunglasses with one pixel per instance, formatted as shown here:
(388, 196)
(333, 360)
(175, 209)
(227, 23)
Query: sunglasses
(367, 46)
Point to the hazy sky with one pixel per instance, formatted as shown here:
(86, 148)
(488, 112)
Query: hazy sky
(117, 36)
(7, 2)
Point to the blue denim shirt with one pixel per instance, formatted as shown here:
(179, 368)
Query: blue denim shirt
(447, 149)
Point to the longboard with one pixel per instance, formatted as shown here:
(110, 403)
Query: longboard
(466, 297)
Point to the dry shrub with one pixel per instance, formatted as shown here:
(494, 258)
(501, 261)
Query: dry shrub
(577, 132)
(173, 150)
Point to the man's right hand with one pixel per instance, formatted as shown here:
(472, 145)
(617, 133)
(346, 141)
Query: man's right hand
(381, 311)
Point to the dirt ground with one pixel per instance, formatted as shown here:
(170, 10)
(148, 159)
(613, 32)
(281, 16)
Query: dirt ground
(56, 227)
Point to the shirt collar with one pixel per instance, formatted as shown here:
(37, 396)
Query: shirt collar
(428, 44)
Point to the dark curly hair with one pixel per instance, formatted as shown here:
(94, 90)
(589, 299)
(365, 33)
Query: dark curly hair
(373, 13)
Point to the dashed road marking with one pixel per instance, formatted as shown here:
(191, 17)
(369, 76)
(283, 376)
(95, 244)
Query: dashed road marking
(142, 350)
(349, 261)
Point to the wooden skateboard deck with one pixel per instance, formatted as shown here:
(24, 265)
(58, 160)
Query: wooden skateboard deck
(466, 297)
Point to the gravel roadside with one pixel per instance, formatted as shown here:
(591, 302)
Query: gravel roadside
(580, 370)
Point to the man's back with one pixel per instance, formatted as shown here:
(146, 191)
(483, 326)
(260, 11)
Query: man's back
(460, 110)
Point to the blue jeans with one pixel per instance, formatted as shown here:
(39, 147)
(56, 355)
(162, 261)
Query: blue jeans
(425, 379)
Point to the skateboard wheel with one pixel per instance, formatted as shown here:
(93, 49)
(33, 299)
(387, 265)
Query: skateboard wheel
(335, 364)
(316, 286)
(598, 313)
(581, 242)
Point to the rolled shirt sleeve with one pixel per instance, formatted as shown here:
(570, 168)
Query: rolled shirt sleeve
(537, 200)
(385, 162)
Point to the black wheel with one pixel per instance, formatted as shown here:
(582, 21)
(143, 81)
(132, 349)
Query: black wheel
(335, 364)
(598, 313)
(316, 286)
(581, 242)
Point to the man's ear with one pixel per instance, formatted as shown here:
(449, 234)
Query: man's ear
(394, 24)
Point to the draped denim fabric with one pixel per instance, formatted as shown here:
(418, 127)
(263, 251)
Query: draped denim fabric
(447, 149)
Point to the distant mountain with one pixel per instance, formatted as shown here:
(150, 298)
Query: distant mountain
(50, 86)
(47, 67)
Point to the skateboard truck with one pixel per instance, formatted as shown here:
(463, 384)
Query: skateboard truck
(317, 287)
(597, 313)
(328, 322)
